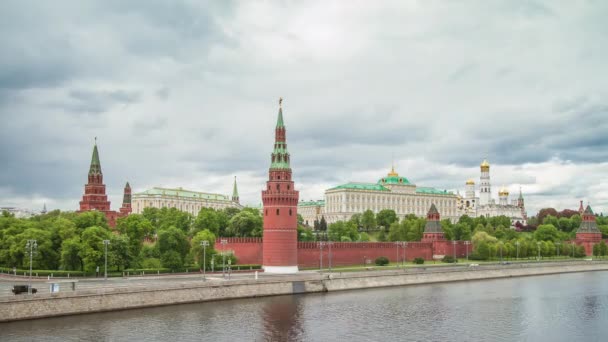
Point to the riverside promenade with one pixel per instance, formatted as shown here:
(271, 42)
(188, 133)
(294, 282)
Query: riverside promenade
(94, 295)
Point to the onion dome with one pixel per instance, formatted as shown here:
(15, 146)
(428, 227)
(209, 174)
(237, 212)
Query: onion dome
(485, 165)
(470, 181)
(503, 191)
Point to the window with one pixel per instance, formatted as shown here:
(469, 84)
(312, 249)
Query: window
(278, 187)
(289, 211)
(266, 212)
(288, 187)
(277, 211)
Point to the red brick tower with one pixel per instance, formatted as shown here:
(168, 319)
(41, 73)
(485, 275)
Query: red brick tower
(126, 201)
(280, 242)
(95, 197)
(432, 229)
(588, 234)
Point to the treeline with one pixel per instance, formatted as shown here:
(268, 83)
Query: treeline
(165, 237)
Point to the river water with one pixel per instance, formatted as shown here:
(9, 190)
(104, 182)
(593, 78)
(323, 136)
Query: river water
(567, 307)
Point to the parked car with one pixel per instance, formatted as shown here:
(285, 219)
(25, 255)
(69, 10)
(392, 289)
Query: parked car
(18, 289)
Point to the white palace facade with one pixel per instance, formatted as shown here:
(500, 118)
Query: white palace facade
(390, 192)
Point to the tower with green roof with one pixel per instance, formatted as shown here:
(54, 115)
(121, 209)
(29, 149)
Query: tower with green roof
(279, 251)
(95, 197)
(235, 192)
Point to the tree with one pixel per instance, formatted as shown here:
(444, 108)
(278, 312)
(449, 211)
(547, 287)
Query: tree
(119, 252)
(462, 232)
(173, 247)
(323, 224)
(340, 229)
(207, 218)
(386, 217)
(245, 223)
(70, 254)
(546, 232)
(136, 228)
(368, 220)
(91, 219)
(93, 251)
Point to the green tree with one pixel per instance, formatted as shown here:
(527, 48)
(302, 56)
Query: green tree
(207, 218)
(546, 232)
(173, 247)
(368, 220)
(386, 217)
(92, 251)
(119, 252)
(70, 254)
(136, 228)
(340, 229)
(245, 224)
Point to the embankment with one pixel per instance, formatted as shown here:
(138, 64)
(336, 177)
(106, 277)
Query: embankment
(70, 303)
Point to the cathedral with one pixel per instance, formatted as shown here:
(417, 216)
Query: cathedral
(485, 205)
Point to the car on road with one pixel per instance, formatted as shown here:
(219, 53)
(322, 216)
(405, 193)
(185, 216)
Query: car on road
(18, 289)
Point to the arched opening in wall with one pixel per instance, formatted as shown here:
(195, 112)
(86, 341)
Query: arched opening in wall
(278, 186)
(279, 177)
(289, 211)
(288, 186)
(277, 211)
(266, 212)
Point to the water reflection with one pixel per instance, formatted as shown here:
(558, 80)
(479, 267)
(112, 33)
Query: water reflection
(281, 319)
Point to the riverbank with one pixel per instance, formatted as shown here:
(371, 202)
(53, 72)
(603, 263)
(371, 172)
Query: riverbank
(121, 298)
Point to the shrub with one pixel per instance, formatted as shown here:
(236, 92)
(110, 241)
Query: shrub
(449, 259)
(382, 261)
(418, 261)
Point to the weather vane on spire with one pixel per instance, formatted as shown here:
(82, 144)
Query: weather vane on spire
(280, 101)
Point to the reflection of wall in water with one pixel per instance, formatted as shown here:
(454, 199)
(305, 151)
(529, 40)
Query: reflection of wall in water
(282, 321)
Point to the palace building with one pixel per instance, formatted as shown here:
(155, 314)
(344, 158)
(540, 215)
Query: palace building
(95, 197)
(184, 200)
(390, 192)
(311, 211)
(485, 205)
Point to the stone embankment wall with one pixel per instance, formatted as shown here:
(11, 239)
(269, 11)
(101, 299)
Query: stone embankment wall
(106, 300)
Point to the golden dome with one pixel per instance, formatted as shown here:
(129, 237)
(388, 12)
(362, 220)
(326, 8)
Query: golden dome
(393, 173)
(470, 181)
(503, 192)
(485, 163)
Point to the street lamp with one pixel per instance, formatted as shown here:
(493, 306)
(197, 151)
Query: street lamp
(402, 244)
(329, 243)
(212, 266)
(321, 245)
(229, 268)
(517, 244)
(454, 249)
(224, 242)
(557, 244)
(538, 247)
(501, 244)
(467, 243)
(204, 244)
(404, 250)
(105, 271)
(32, 246)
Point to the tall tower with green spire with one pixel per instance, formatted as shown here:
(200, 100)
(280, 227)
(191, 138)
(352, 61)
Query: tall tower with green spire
(235, 192)
(280, 242)
(95, 197)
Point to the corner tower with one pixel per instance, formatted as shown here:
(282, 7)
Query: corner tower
(280, 249)
(432, 229)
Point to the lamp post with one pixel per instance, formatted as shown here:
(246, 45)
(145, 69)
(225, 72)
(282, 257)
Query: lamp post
(538, 247)
(32, 246)
(224, 242)
(404, 250)
(321, 245)
(501, 244)
(105, 271)
(212, 266)
(329, 243)
(573, 248)
(204, 244)
(229, 268)
(467, 243)
(364, 261)
(557, 245)
(454, 249)
(517, 244)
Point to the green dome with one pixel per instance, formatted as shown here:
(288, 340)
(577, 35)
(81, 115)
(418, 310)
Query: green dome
(394, 180)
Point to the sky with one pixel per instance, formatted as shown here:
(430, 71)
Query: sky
(185, 94)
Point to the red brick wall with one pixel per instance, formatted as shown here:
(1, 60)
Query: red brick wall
(249, 251)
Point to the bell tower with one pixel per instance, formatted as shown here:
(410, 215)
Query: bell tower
(280, 242)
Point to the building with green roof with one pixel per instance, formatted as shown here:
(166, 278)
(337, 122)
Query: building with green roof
(182, 199)
(390, 192)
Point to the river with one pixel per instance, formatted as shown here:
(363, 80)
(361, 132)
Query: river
(567, 307)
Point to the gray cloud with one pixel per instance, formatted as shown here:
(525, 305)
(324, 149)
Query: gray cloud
(184, 93)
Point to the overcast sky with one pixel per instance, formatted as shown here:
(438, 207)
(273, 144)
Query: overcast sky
(184, 93)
